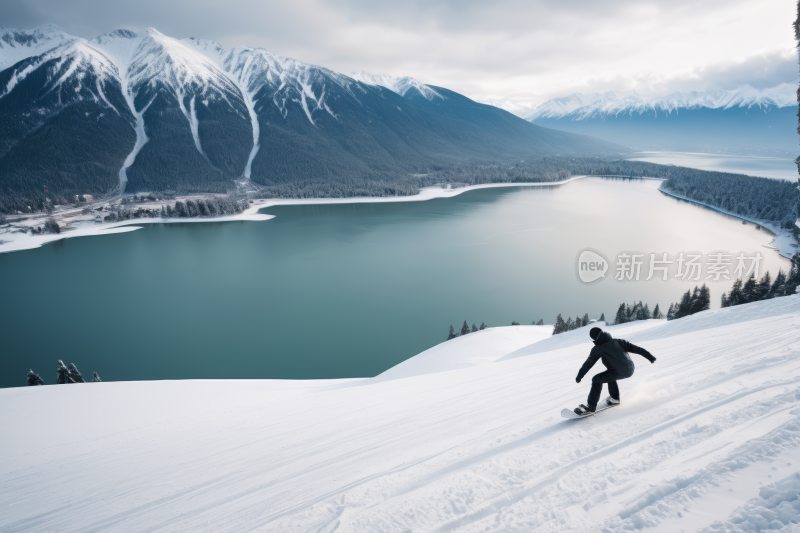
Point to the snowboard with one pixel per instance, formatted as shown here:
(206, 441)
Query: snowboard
(572, 415)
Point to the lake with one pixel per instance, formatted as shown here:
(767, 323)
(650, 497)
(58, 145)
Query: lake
(343, 290)
(753, 165)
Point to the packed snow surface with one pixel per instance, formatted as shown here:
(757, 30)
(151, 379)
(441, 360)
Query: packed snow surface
(706, 439)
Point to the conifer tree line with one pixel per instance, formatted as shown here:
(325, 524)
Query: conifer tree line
(694, 301)
(64, 374)
(465, 328)
(210, 207)
(754, 290)
(770, 199)
(636, 311)
(561, 325)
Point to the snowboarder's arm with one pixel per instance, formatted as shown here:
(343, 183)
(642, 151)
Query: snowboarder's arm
(594, 355)
(632, 348)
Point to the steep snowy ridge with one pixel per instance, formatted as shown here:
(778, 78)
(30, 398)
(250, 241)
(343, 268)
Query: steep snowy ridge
(461, 439)
(72, 61)
(16, 45)
(582, 106)
(195, 116)
(151, 58)
(400, 85)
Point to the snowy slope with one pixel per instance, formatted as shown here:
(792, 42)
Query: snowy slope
(16, 45)
(707, 439)
(400, 85)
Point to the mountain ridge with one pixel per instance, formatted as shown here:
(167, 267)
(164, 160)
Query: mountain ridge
(743, 120)
(193, 116)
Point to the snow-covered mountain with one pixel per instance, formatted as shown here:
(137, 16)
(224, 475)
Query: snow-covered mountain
(741, 119)
(466, 436)
(16, 45)
(144, 111)
(400, 85)
(584, 106)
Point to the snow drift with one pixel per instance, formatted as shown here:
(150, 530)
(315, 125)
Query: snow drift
(706, 439)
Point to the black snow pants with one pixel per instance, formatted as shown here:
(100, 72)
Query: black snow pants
(610, 377)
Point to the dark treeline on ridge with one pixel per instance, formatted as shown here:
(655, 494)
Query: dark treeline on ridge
(64, 374)
(769, 199)
(754, 290)
(209, 207)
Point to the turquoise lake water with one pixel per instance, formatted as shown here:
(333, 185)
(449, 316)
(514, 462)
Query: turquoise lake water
(347, 290)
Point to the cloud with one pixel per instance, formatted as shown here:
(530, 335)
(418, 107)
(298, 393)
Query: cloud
(507, 49)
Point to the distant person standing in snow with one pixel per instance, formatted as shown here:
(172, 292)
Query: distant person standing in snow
(614, 354)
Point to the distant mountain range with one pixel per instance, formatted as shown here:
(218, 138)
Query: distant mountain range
(146, 112)
(741, 119)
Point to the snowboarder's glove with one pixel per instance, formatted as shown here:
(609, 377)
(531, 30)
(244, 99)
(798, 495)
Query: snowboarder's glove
(577, 380)
(653, 360)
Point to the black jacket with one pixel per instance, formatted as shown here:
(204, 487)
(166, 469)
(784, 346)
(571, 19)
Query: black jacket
(614, 354)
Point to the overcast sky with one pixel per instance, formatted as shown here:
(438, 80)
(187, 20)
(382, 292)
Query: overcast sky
(527, 50)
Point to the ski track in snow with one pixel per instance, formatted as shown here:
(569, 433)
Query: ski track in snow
(707, 438)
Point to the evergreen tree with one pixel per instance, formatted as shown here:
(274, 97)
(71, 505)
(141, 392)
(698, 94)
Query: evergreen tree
(793, 278)
(657, 314)
(34, 379)
(683, 307)
(671, 312)
(763, 287)
(541, 322)
(483, 326)
(75, 374)
(735, 296)
(778, 285)
(749, 290)
(602, 317)
(646, 312)
(464, 328)
(95, 378)
(622, 315)
(723, 300)
(474, 328)
(559, 325)
(585, 320)
(62, 374)
(514, 323)
(704, 299)
(51, 226)
(569, 326)
(452, 334)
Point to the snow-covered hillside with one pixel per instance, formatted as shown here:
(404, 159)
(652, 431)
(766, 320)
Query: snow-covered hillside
(706, 439)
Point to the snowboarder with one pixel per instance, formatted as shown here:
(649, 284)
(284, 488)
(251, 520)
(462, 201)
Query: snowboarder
(614, 354)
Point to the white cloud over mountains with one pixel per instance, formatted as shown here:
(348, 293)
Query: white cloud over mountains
(520, 51)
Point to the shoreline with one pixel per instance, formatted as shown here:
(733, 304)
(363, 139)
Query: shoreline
(25, 241)
(783, 243)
